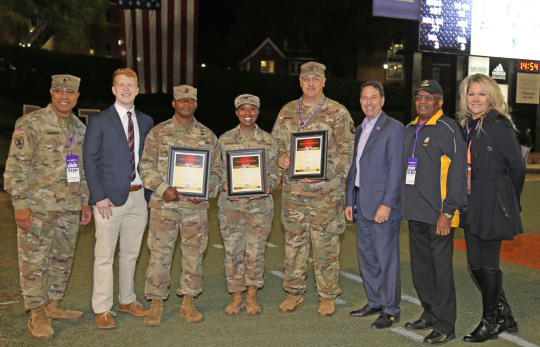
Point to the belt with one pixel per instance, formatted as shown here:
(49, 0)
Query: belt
(135, 188)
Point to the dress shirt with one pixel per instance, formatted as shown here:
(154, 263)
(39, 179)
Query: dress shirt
(367, 126)
(124, 119)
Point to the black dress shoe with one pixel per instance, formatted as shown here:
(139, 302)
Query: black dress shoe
(365, 311)
(384, 321)
(420, 324)
(437, 337)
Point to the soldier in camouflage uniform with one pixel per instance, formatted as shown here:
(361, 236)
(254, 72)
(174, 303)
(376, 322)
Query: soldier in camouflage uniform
(170, 212)
(48, 196)
(246, 222)
(312, 210)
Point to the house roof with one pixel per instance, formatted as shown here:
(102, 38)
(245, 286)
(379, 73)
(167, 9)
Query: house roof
(267, 40)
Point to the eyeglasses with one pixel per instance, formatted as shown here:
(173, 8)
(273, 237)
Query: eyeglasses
(426, 97)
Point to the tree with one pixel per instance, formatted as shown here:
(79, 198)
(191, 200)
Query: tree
(68, 18)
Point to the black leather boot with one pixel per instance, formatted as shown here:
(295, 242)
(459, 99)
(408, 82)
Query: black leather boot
(506, 321)
(491, 287)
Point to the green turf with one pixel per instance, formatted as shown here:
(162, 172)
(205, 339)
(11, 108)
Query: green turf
(271, 328)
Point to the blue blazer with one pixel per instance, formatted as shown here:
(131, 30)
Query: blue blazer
(380, 165)
(107, 162)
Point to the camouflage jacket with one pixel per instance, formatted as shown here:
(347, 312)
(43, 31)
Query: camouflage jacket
(236, 139)
(335, 118)
(35, 173)
(153, 166)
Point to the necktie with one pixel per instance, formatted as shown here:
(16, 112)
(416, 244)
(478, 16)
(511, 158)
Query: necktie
(131, 141)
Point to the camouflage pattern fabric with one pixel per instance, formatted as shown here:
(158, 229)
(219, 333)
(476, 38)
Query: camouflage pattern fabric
(319, 220)
(154, 161)
(165, 223)
(246, 223)
(46, 255)
(35, 173)
(314, 211)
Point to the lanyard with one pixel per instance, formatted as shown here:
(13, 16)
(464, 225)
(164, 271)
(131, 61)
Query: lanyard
(418, 127)
(470, 139)
(302, 123)
(70, 142)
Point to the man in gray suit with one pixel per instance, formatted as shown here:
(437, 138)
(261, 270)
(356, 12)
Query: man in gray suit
(374, 200)
(112, 148)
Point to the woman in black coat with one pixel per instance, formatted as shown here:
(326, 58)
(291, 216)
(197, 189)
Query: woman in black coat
(497, 176)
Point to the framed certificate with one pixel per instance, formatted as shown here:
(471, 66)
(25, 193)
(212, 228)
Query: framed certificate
(308, 155)
(189, 170)
(246, 173)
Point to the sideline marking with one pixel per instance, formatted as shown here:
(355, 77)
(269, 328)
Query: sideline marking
(409, 334)
(269, 244)
(517, 340)
(217, 245)
(352, 276)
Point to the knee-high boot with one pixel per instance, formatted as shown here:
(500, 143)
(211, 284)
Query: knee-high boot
(506, 321)
(491, 287)
(477, 273)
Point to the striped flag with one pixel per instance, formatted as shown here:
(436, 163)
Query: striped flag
(159, 40)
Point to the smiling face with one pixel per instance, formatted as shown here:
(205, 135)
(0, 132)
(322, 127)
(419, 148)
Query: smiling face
(371, 102)
(63, 100)
(247, 115)
(312, 86)
(477, 100)
(425, 107)
(125, 89)
(184, 109)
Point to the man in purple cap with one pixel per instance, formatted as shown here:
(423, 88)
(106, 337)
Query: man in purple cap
(434, 190)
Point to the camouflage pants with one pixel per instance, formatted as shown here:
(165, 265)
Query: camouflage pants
(165, 223)
(319, 220)
(46, 255)
(244, 236)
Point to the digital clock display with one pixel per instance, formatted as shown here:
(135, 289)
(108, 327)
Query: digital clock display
(531, 66)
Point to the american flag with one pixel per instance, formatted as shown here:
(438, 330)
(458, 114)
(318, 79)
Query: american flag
(159, 40)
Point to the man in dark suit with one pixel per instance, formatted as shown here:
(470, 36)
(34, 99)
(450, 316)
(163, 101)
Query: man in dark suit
(112, 148)
(374, 200)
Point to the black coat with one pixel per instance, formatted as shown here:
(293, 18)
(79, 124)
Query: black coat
(498, 175)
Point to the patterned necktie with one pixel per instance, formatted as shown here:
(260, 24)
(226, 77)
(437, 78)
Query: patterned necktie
(131, 141)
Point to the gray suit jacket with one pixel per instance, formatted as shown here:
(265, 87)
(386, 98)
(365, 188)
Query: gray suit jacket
(107, 162)
(380, 165)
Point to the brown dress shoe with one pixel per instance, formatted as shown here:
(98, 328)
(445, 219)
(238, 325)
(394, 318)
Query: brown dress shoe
(326, 308)
(39, 326)
(252, 306)
(156, 311)
(189, 311)
(134, 308)
(53, 310)
(236, 304)
(291, 303)
(105, 320)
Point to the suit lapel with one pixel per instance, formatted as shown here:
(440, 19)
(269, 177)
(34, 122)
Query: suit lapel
(377, 128)
(117, 125)
(142, 131)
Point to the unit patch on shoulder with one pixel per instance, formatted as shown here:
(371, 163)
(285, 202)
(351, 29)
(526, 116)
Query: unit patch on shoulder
(353, 129)
(19, 131)
(19, 142)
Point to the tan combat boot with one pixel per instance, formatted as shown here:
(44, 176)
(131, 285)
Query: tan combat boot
(39, 326)
(53, 310)
(291, 303)
(327, 307)
(236, 304)
(252, 306)
(189, 311)
(156, 311)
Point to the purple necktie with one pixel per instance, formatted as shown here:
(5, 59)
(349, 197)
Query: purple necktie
(131, 141)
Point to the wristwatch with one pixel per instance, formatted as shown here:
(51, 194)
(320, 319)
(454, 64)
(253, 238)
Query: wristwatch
(448, 215)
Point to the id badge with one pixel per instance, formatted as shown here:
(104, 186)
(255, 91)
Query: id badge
(72, 168)
(469, 183)
(411, 170)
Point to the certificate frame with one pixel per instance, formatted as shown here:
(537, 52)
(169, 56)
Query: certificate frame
(245, 166)
(191, 164)
(314, 166)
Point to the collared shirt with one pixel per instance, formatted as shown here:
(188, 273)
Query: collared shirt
(124, 119)
(367, 126)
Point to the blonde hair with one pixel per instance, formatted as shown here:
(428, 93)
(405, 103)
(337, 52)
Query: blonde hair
(126, 72)
(493, 93)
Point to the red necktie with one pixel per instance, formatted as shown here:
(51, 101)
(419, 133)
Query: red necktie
(131, 141)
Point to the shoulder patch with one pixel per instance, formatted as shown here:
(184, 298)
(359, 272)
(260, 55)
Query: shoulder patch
(353, 128)
(18, 132)
(19, 142)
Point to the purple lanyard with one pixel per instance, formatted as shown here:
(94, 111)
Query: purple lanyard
(302, 123)
(70, 142)
(418, 127)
